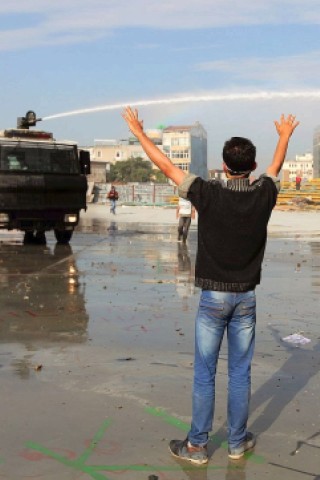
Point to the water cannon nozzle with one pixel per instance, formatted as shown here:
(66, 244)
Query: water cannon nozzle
(30, 120)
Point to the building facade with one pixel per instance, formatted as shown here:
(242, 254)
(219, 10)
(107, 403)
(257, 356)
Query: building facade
(217, 174)
(186, 146)
(301, 166)
(316, 153)
(105, 153)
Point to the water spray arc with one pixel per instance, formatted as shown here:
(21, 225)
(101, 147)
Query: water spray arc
(315, 94)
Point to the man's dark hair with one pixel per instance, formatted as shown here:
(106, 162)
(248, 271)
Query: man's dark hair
(239, 155)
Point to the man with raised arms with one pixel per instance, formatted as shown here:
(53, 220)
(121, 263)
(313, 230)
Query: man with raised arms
(232, 234)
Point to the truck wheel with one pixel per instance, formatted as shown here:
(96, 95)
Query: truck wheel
(40, 238)
(28, 238)
(63, 236)
(37, 238)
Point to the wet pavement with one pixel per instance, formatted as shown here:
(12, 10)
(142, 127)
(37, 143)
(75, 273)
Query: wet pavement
(97, 347)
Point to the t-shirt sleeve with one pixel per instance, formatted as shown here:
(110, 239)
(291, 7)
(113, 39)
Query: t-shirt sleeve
(195, 190)
(275, 180)
(185, 185)
(272, 187)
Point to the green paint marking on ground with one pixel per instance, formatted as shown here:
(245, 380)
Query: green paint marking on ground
(159, 412)
(48, 453)
(96, 439)
(94, 470)
(75, 464)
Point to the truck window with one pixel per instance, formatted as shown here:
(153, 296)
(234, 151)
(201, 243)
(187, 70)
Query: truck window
(39, 158)
(15, 162)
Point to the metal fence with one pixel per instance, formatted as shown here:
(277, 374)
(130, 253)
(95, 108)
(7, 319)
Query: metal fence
(138, 193)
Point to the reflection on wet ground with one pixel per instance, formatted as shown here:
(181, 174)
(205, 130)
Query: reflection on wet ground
(133, 275)
(130, 284)
(110, 320)
(40, 294)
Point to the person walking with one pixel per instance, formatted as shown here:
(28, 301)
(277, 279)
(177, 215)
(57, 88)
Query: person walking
(184, 212)
(298, 182)
(232, 234)
(113, 196)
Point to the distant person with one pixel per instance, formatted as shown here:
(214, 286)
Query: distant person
(298, 182)
(184, 212)
(232, 235)
(113, 196)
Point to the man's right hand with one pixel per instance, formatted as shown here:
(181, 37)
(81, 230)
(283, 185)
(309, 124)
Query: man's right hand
(135, 125)
(154, 153)
(286, 126)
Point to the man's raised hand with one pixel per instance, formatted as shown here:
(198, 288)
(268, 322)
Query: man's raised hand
(131, 117)
(286, 126)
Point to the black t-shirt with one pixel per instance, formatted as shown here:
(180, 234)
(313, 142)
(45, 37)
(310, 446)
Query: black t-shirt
(232, 230)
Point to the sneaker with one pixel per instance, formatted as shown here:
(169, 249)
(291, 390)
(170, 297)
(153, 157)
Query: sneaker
(235, 453)
(185, 451)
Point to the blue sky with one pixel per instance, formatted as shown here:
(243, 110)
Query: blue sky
(73, 54)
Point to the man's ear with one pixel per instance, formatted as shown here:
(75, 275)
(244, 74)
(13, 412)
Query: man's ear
(254, 166)
(224, 166)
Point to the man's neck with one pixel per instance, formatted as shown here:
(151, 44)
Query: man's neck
(234, 177)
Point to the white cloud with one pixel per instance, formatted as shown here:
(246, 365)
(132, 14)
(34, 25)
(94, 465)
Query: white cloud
(290, 70)
(97, 17)
(177, 14)
(25, 38)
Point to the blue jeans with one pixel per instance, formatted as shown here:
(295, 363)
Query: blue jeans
(236, 313)
(112, 206)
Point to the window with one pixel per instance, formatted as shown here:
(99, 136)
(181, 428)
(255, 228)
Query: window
(180, 153)
(15, 162)
(183, 166)
(180, 141)
(39, 158)
(166, 141)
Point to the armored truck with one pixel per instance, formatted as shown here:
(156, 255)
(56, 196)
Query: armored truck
(43, 182)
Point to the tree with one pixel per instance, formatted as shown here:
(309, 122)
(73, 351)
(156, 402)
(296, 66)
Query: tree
(134, 170)
(159, 177)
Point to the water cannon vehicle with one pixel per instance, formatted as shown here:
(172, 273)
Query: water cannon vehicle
(43, 182)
